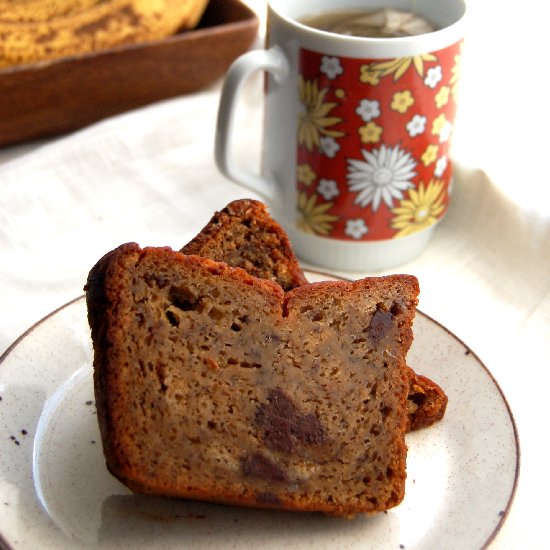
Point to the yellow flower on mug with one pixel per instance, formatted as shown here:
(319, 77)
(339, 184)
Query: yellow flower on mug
(399, 66)
(401, 101)
(305, 174)
(442, 96)
(315, 121)
(420, 210)
(313, 218)
(442, 128)
(369, 76)
(370, 132)
(438, 124)
(429, 155)
(455, 72)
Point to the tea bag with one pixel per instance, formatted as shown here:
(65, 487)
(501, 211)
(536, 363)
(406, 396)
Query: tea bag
(384, 23)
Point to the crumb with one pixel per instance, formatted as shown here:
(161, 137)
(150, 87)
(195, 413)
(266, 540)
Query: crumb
(24, 432)
(89, 402)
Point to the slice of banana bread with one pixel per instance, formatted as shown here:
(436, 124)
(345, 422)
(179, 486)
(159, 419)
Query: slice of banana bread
(212, 384)
(244, 235)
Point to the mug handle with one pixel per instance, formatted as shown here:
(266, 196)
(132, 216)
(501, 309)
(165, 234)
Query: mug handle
(272, 61)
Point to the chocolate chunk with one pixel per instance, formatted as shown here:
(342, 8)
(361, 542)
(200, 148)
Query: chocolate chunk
(284, 426)
(258, 466)
(379, 325)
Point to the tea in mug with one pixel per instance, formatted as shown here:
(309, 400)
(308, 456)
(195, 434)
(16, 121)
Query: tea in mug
(385, 23)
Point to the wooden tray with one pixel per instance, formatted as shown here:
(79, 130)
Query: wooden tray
(50, 98)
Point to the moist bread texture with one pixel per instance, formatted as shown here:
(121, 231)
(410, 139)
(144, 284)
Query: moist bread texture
(244, 235)
(213, 384)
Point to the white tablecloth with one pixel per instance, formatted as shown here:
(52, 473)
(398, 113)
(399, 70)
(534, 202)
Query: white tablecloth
(148, 176)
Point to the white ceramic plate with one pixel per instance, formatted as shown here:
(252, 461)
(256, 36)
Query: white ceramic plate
(55, 491)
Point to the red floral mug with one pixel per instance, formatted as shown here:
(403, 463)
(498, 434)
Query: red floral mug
(356, 159)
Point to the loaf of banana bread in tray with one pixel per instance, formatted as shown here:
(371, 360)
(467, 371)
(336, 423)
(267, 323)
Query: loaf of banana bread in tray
(243, 234)
(216, 385)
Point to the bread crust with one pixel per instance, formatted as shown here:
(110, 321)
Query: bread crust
(427, 402)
